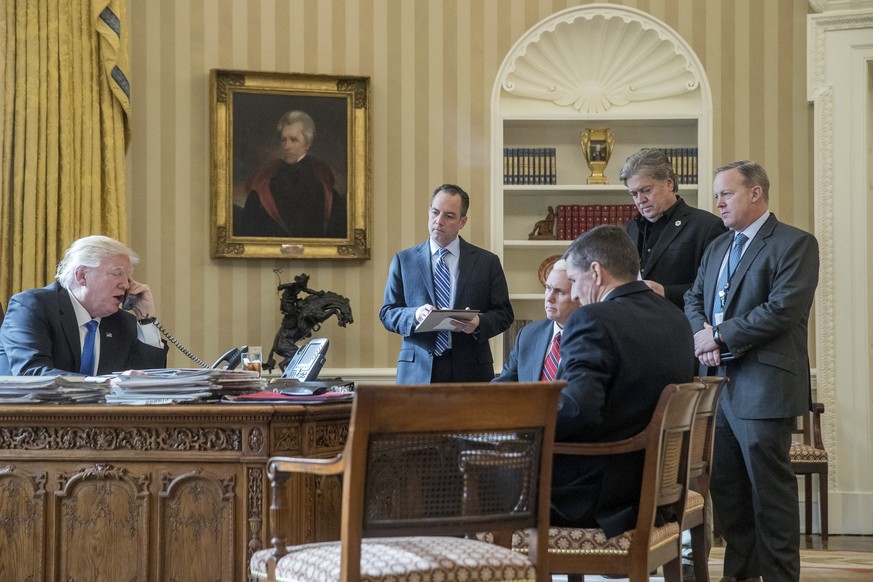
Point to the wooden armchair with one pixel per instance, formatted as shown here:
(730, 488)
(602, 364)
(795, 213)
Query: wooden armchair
(637, 552)
(808, 458)
(700, 466)
(424, 469)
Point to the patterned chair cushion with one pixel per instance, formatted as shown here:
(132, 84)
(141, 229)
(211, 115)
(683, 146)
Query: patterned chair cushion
(693, 501)
(412, 559)
(568, 540)
(801, 453)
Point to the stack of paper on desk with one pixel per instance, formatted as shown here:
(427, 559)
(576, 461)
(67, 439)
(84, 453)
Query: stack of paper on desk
(165, 386)
(52, 389)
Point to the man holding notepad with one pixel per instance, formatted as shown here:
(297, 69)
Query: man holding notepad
(446, 272)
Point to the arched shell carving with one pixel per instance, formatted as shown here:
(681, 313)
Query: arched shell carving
(596, 61)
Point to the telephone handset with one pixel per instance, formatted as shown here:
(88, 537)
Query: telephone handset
(232, 357)
(307, 362)
(129, 302)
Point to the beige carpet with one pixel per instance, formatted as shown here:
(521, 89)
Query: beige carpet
(815, 566)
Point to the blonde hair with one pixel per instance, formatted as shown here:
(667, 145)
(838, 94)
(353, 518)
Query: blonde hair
(90, 252)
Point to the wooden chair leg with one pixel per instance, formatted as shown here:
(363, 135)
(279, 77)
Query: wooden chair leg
(807, 489)
(699, 553)
(672, 572)
(823, 507)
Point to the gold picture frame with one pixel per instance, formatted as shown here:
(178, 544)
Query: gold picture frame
(269, 201)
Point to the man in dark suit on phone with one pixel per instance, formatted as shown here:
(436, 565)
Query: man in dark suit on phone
(536, 354)
(446, 272)
(621, 348)
(749, 308)
(76, 325)
(670, 235)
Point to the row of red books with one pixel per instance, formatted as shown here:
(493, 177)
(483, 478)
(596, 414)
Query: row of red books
(574, 219)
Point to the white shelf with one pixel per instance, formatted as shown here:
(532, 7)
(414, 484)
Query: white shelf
(526, 296)
(528, 189)
(560, 119)
(543, 244)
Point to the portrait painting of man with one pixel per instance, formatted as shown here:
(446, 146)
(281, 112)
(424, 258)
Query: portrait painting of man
(290, 166)
(290, 161)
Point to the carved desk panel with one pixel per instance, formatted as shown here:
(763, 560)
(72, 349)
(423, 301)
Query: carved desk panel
(170, 493)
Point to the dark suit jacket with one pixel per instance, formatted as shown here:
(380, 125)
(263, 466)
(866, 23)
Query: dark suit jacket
(481, 285)
(617, 356)
(525, 363)
(676, 255)
(40, 337)
(766, 318)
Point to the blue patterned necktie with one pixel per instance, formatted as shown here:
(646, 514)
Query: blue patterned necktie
(87, 366)
(442, 282)
(727, 273)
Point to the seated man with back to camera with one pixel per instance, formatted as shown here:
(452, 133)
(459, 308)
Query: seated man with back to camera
(76, 325)
(536, 354)
(620, 349)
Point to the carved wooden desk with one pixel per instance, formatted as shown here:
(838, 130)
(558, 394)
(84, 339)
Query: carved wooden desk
(171, 493)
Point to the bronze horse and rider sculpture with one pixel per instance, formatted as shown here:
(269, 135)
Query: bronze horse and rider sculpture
(303, 316)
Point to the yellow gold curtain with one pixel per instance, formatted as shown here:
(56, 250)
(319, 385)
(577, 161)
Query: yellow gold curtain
(64, 110)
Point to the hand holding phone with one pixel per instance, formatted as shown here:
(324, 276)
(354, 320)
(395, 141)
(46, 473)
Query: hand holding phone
(139, 299)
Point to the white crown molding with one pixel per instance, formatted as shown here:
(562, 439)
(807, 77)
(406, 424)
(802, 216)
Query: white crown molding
(818, 26)
(831, 5)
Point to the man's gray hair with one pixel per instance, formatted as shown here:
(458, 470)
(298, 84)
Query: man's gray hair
(90, 252)
(651, 162)
(560, 265)
(292, 117)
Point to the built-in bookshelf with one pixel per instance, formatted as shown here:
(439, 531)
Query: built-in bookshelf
(541, 105)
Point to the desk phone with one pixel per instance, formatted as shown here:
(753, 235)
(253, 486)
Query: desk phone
(307, 362)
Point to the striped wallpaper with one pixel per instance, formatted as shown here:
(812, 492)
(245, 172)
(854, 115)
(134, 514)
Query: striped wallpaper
(432, 65)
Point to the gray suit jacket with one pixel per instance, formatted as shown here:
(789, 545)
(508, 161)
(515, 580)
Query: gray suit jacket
(40, 337)
(766, 318)
(525, 363)
(481, 285)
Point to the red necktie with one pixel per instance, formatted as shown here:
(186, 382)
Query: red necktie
(550, 365)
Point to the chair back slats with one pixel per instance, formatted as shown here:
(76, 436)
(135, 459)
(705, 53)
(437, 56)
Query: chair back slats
(448, 459)
(674, 446)
(425, 483)
(703, 436)
(670, 487)
(699, 439)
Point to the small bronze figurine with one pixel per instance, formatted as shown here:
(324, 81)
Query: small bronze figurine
(303, 316)
(544, 229)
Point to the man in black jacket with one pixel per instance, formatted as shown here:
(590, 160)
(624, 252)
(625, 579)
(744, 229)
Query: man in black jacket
(620, 349)
(670, 236)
